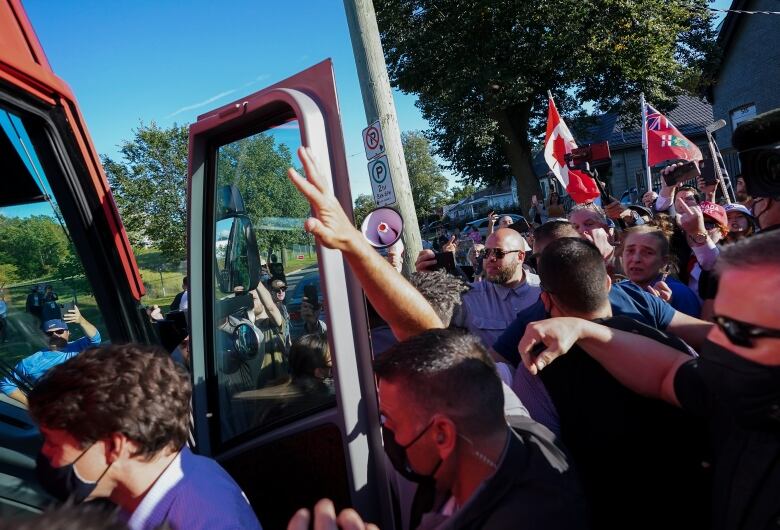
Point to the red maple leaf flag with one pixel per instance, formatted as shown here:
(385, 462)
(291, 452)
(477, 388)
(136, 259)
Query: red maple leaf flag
(557, 142)
(664, 142)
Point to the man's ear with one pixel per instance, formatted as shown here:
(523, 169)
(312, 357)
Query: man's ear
(119, 446)
(609, 283)
(445, 435)
(547, 301)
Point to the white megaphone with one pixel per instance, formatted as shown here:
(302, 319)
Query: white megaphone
(382, 227)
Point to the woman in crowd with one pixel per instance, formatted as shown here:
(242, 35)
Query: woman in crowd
(647, 262)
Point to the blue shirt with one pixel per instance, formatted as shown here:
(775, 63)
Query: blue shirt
(684, 299)
(626, 298)
(488, 308)
(194, 493)
(33, 367)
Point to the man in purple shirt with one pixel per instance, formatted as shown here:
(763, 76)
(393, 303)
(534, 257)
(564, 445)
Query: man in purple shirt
(490, 306)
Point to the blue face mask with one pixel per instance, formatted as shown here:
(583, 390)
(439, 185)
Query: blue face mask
(64, 482)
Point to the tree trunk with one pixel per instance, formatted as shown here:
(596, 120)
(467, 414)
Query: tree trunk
(513, 124)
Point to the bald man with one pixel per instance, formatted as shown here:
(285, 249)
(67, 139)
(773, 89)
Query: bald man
(490, 306)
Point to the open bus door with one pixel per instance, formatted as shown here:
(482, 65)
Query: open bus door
(287, 438)
(53, 187)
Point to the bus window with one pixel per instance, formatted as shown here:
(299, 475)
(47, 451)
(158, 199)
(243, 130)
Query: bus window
(263, 256)
(48, 312)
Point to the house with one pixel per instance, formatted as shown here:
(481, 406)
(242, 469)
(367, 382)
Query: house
(690, 116)
(499, 198)
(746, 82)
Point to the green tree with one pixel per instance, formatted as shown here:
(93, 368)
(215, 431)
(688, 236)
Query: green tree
(257, 165)
(463, 191)
(149, 185)
(363, 205)
(481, 69)
(34, 246)
(429, 185)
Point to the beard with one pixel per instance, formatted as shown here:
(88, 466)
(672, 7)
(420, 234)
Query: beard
(504, 274)
(57, 343)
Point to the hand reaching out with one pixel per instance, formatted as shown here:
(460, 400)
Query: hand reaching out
(330, 225)
(325, 518)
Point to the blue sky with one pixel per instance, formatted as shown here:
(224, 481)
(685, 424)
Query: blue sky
(133, 62)
(168, 61)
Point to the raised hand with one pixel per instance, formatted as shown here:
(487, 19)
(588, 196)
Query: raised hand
(325, 518)
(661, 289)
(690, 218)
(73, 316)
(330, 224)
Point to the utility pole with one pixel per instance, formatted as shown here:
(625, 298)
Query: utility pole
(378, 103)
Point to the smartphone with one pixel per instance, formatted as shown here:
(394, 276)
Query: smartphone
(708, 172)
(687, 171)
(446, 261)
(68, 306)
(310, 295)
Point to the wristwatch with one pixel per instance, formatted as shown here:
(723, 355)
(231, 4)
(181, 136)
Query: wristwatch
(699, 238)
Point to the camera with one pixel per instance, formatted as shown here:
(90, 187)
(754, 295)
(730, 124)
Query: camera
(761, 170)
(590, 156)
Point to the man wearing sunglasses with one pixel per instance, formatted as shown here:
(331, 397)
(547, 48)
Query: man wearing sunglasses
(490, 306)
(27, 371)
(735, 383)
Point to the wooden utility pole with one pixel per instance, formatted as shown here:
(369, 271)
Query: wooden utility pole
(378, 103)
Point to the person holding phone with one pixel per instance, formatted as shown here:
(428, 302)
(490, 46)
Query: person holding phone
(30, 369)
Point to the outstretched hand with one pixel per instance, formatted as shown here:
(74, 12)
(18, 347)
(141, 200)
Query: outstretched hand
(557, 335)
(661, 289)
(330, 224)
(690, 218)
(73, 316)
(325, 518)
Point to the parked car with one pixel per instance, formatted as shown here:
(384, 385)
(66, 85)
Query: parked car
(482, 224)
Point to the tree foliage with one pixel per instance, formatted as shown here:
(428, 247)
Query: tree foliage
(31, 247)
(481, 69)
(149, 185)
(463, 191)
(258, 165)
(363, 205)
(429, 185)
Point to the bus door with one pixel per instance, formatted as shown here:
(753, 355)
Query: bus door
(284, 393)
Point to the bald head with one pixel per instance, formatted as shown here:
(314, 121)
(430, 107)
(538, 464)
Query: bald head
(506, 270)
(505, 238)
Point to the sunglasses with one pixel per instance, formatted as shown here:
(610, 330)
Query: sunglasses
(280, 289)
(742, 333)
(498, 253)
(56, 332)
(709, 225)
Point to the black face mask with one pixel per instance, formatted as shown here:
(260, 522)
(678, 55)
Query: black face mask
(397, 455)
(63, 482)
(748, 390)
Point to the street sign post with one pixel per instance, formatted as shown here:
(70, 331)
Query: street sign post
(381, 182)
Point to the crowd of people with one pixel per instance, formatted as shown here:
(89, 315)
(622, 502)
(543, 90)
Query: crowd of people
(620, 369)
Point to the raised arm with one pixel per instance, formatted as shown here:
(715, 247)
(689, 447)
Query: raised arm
(397, 302)
(74, 316)
(268, 303)
(643, 365)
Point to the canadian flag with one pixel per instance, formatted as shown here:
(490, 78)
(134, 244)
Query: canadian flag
(557, 142)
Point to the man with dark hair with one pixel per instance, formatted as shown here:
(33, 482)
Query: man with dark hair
(606, 426)
(758, 143)
(177, 299)
(735, 383)
(115, 423)
(30, 369)
(442, 290)
(442, 406)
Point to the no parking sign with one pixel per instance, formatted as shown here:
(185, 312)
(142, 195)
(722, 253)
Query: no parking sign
(373, 141)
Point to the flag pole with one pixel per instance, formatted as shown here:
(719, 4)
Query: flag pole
(644, 142)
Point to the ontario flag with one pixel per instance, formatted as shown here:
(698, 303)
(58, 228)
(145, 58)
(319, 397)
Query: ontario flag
(663, 140)
(557, 142)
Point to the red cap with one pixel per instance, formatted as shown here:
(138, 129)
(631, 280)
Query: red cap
(716, 212)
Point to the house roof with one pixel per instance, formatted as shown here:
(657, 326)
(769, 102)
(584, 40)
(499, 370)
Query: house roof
(690, 116)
